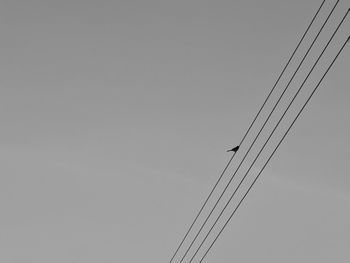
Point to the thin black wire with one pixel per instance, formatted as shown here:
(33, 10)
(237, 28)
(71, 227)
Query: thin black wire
(228, 202)
(246, 133)
(262, 169)
(200, 211)
(256, 137)
(269, 137)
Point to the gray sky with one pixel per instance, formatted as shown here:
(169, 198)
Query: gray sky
(116, 115)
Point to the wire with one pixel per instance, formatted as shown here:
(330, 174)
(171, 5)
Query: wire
(262, 169)
(270, 135)
(246, 133)
(261, 129)
(279, 121)
(272, 131)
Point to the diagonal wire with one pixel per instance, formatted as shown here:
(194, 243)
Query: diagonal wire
(228, 202)
(246, 133)
(268, 96)
(262, 169)
(256, 137)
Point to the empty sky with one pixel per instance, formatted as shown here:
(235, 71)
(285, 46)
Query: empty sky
(116, 115)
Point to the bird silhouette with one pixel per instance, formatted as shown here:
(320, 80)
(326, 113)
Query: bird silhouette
(235, 149)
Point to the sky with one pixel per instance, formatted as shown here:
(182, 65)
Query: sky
(116, 117)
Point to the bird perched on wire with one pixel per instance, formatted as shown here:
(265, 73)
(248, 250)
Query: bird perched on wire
(235, 149)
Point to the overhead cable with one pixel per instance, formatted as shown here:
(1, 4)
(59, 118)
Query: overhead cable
(262, 169)
(246, 133)
(278, 125)
(261, 129)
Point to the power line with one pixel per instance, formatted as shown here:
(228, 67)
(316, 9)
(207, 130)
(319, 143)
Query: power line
(256, 137)
(273, 131)
(279, 121)
(246, 133)
(262, 169)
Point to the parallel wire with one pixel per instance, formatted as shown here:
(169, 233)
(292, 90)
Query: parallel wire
(246, 133)
(263, 126)
(262, 169)
(228, 202)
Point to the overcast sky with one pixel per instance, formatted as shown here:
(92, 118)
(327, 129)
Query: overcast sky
(116, 117)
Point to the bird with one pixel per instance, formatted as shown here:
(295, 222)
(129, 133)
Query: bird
(235, 149)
